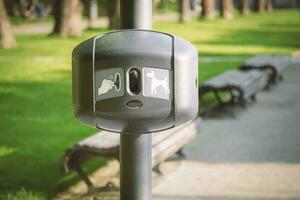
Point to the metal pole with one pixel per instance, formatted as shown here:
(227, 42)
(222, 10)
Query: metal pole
(136, 149)
(135, 167)
(136, 14)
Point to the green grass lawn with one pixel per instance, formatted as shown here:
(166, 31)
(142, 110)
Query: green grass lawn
(37, 123)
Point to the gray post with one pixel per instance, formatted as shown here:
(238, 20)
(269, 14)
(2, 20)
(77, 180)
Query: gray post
(136, 149)
(136, 14)
(135, 167)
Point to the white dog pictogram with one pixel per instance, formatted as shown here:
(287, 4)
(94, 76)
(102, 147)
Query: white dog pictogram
(155, 83)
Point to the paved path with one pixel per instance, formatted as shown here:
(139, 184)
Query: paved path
(251, 153)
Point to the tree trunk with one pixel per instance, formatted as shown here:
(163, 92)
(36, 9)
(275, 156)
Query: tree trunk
(226, 9)
(93, 12)
(67, 15)
(154, 7)
(260, 6)
(7, 39)
(208, 9)
(184, 11)
(113, 12)
(269, 5)
(245, 7)
(163, 4)
(12, 8)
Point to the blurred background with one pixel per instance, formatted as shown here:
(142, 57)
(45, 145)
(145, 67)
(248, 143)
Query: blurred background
(36, 42)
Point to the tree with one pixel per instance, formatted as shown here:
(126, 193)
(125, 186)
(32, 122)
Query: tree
(154, 4)
(269, 5)
(260, 5)
(208, 9)
(184, 10)
(7, 39)
(113, 12)
(93, 12)
(226, 9)
(162, 4)
(12, 8)
(244, 9)
(67, 15)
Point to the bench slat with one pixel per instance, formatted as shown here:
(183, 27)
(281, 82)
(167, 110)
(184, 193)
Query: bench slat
(105, 140)
(279, 63)
(240, 84)
(175, 142)
(274, 64)
(165, 144)
(106, 144)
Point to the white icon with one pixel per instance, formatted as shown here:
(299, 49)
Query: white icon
(155, 83)
(107, 85)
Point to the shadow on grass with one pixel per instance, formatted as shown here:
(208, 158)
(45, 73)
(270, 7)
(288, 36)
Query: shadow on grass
(267, 38)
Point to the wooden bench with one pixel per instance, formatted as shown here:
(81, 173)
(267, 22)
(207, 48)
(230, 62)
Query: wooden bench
(241, 85)
(273, 65)
(106, 144)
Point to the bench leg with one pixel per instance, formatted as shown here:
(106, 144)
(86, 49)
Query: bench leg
(231, 101)
(219, 99)
(111, 186)
(253, 97)
(268, 86)
(157, 169)
(242, 103)
(234, 98)
(239, 98)
(273, 75)
(216, 96)
(83, 175)
(271, 80)
(181, 154)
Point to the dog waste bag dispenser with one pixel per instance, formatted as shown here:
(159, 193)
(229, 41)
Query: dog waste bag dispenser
(135, 81)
